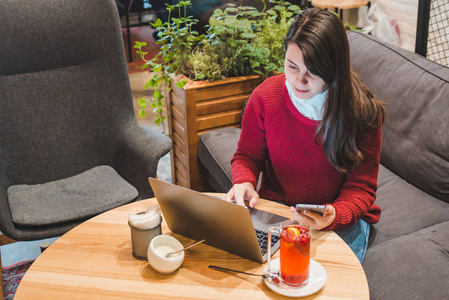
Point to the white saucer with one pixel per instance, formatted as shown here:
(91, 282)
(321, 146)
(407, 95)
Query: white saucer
(317, 279)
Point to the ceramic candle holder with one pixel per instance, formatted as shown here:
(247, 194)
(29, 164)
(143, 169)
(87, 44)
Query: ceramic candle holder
(141, 238)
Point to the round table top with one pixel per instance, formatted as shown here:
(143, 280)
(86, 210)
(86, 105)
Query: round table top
(341, 4)
(94, 261)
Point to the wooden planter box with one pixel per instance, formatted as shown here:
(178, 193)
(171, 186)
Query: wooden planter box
(198, 107)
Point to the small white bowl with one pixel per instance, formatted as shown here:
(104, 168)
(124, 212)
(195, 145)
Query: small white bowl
(159, 247)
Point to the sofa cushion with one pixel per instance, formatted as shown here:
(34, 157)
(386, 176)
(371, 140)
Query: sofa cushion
(215, 150)
(78, 197)
(405, 208)
(415, 141)
(413, 266)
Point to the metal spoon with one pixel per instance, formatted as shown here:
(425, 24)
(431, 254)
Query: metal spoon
(270, 277)
(191, 245)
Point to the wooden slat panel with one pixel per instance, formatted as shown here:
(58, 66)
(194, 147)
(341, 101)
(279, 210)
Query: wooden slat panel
(177, 115)
(180, 180)
(181, 167)
(178, 103)
(169, 114)
(226, 90)
(180, 154)
(218, 104)
(220, 119)
(192, 140)
(222, 104)
(179, 129)
(177, 140)
(190, 115)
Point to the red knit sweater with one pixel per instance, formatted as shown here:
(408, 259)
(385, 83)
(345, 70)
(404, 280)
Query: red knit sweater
(279, 141)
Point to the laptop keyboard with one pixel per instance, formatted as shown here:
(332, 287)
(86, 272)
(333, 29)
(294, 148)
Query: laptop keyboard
(262, 237)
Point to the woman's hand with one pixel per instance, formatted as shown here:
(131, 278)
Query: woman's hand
(241, 192)
(315, 220)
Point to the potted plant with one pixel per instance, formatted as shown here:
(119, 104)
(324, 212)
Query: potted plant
(202, 80)
(240, 41)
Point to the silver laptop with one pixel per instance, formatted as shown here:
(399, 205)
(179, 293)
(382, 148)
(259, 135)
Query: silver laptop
(224, 225)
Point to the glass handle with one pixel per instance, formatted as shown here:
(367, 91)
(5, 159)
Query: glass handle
(270, 231)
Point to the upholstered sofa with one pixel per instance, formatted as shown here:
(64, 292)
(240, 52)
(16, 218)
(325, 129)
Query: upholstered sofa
(408, 254)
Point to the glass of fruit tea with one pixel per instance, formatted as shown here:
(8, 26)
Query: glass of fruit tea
(295, 252)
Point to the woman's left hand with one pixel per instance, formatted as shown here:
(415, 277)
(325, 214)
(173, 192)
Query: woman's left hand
(313, 219)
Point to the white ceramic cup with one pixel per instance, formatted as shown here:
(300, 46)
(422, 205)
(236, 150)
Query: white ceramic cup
(159, 247)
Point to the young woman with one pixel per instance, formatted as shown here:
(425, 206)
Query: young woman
(315, 134)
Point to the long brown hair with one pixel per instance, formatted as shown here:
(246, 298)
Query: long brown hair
(350, 108)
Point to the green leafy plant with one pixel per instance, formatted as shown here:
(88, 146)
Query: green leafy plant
(239, 41)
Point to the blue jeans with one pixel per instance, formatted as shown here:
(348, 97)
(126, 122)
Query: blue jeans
(356, 237)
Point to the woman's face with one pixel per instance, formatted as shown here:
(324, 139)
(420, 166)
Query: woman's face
(305, 85)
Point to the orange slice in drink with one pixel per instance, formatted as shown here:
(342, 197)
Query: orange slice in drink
(294, 231)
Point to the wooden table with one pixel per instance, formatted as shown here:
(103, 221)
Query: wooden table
(94, 261)
(339, 5)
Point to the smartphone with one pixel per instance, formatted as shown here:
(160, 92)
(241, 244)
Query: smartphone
(312, 207)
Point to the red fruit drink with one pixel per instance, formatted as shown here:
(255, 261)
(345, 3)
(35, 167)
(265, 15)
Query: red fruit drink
(295, 255)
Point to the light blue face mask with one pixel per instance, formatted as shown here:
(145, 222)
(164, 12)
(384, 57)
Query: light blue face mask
(311, 108)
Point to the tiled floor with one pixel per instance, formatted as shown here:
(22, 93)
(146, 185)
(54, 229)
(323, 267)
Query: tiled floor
(20, 251)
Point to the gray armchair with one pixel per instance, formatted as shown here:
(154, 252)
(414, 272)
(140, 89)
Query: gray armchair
(70, 145)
